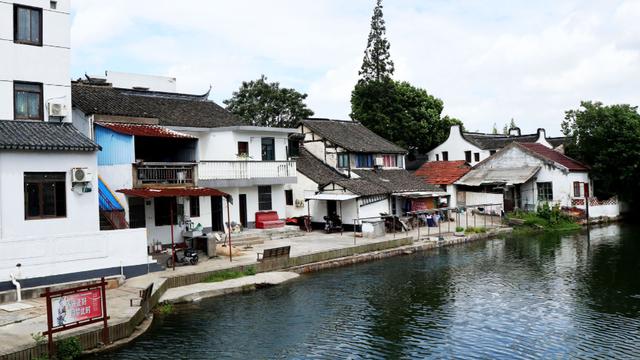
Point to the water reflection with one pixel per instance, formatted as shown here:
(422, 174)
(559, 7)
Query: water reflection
(544, 296)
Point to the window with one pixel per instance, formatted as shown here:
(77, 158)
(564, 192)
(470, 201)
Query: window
(445, 156)
(343, 160)
(243, 148)
(27, 25)
(389, 160)
(27, 99)
(264, 197)
(491, 152)
(576, 189)
(268, 149)
(476, 156)
(44, 195)
(194, 206)
(400, 161)
(437, 157)
(364, 161)
(545, 191)
(162, 210)
(136, 213)
(53, 5)
(288, 195)
(467, 156)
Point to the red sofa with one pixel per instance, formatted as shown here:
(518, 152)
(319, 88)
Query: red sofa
(268, 220)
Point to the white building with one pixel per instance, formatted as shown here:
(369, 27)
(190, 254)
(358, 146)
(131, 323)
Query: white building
(345, 168)
(474, 147)
(49, 228)
(529, 174)
(166, 140)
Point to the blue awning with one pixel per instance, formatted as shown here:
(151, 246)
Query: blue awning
(108, 201)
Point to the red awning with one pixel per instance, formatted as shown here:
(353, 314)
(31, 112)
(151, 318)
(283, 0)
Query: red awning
(148, 193)
(145, 130)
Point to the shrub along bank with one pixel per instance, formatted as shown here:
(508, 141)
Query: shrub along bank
(546, 218)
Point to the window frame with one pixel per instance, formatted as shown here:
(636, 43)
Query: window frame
(476, 157)
(194, 206)
(392, 160)
(577, 189)
(368, 161)
(467, 156)
(137, 212)
(288, 197)
(160, 220)
(342, 157)
(40, 103)
(273, 148)
(15, 24)
(445, 156)
(262, 200)
(59, 178)
(548, 193)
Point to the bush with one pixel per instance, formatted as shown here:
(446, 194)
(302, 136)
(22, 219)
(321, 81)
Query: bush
(164, 308)
(459, 229)
(68, 348)
(229, 274)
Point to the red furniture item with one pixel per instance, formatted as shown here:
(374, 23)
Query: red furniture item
(268, 220)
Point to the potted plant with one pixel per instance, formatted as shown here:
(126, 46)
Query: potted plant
(459, 231)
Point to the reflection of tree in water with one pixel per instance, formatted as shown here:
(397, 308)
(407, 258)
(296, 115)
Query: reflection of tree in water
(611, 280)
(406, 302)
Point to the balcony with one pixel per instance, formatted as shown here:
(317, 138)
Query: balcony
(246, 173)
(166, 174)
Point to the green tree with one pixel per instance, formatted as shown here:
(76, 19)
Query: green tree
(608, 139)
(401, 113)
(265, 103)
(494, 129)
(377, 64)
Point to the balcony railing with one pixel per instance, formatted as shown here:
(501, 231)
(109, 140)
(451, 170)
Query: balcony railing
(164, 174)
(245, 170)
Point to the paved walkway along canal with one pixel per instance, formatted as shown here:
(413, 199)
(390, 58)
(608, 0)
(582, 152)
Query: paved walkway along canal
(544, 296)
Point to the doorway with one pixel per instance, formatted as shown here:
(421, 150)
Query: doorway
(217, 214)
(243, 209)
(332, 207)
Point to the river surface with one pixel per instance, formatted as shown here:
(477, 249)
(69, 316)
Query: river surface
(523, 297)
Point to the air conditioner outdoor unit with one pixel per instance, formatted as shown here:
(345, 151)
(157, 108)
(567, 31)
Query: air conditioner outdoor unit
(80, 175)
(379, 161)
(57, 110)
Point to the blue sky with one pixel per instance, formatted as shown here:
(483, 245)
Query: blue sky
(489, 61)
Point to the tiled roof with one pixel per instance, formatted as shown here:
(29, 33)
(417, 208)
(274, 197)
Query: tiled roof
(316, 170)
(145, 130)
(396, 181)
(352, 136)
(494, 141)
(41, 135)
(556, 141)
(442, 172)
(550, 154)
(170, 109)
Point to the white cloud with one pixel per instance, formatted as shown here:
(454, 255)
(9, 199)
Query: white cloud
(488, 61)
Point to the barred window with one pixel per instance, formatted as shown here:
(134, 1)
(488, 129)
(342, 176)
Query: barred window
(545, 191)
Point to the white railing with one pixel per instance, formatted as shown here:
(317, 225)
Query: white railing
(230, 170)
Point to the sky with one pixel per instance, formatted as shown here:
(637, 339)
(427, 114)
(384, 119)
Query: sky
(489, 61)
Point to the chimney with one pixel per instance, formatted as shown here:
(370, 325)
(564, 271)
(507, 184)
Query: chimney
(514, 131)
(541, 134)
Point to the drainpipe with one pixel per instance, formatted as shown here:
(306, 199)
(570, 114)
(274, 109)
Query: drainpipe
(15, 282)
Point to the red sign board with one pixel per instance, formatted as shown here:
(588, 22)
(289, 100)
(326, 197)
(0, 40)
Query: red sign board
(73, 308)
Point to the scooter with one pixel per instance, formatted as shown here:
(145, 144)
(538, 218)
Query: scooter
(332, 223)
(185, 257)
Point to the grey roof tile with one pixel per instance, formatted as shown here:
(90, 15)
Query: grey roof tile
(41, 135)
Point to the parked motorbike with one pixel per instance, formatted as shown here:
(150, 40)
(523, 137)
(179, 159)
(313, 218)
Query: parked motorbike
(184, 257)
(390, 222)
(332, 223)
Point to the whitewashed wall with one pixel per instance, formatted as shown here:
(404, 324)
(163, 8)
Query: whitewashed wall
(456, 145)
(82, 209)
(223, 145)
(301, 189)
(48, 64)
(478, 198)
(50, 255)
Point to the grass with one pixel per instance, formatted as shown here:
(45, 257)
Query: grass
(475, 230)
(534, 222)
(164, 309)
(229, 274)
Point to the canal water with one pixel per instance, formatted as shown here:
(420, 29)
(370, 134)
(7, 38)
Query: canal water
(524, 297)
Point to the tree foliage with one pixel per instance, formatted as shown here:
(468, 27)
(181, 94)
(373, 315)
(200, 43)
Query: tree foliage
(608, 139)
(377, 64)
(267, 104)
(401, 113)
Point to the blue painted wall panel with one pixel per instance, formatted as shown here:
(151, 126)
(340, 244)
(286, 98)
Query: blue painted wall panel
(116, 148)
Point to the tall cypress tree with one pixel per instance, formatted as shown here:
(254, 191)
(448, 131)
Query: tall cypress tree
(377, 64)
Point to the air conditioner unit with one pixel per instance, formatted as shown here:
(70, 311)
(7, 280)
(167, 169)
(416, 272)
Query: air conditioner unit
(57, 110)
(379, 161)
(81, 175)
